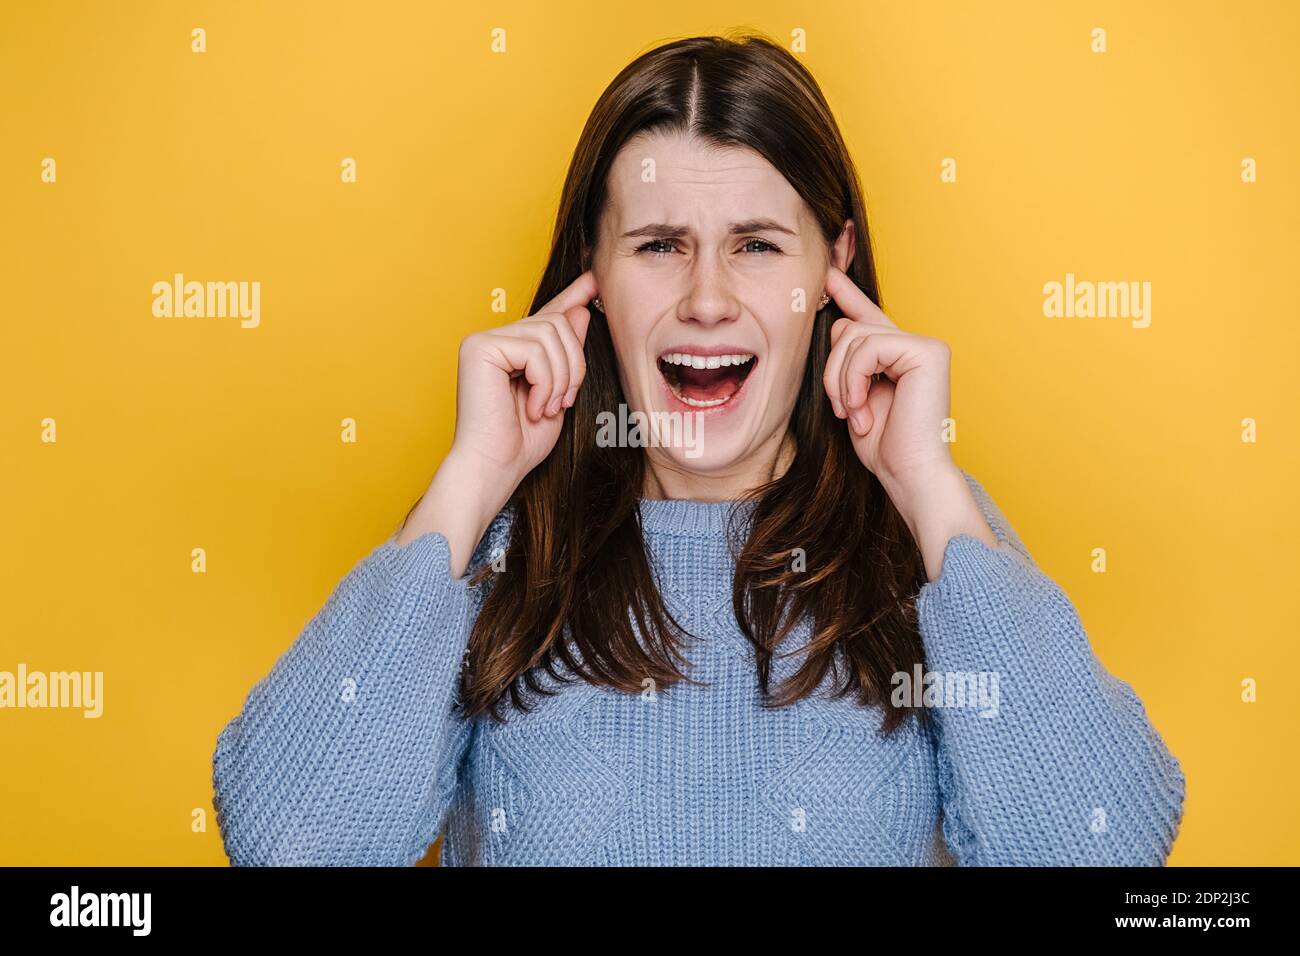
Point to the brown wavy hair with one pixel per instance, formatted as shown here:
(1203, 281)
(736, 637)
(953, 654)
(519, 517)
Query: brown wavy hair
(576, 571)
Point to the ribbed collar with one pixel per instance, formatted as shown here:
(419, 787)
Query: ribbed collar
(682, 516)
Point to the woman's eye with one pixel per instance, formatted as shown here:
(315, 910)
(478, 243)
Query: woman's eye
(646, 247)
(661, 247)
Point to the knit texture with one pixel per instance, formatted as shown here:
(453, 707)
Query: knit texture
(350, 751)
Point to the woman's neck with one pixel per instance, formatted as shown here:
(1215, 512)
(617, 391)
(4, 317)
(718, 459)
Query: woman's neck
(667, 479)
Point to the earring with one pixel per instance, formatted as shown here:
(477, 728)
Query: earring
(598, 304)
(822, 304)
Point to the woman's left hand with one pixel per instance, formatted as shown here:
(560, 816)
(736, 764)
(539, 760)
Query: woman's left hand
(897, 422)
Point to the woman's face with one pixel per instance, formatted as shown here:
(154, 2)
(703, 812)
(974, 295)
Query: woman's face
(710, 268)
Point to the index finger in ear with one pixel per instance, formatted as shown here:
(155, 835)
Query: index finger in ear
(852, 300)
(578, 292)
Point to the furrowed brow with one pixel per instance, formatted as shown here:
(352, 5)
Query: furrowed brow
(667, 230)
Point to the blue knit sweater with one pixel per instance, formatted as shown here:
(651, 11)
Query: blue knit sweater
(349, 751)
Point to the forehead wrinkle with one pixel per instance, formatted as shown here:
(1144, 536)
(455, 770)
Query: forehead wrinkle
(713, 182)
(741, 172)
(684, 169)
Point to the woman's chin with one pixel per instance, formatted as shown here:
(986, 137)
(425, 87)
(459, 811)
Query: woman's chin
(703, 438)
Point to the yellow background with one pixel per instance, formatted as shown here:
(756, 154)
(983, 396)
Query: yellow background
(183, 433)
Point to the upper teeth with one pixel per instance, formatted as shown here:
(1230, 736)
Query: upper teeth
(706, 361)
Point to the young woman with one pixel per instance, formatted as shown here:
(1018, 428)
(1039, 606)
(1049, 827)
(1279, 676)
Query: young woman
(778, 625)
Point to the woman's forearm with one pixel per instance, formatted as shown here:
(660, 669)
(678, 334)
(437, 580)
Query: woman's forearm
(345, 752)
(460, 503)
(1061, 764)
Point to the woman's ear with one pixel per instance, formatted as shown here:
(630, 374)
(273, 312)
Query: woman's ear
(845, 246)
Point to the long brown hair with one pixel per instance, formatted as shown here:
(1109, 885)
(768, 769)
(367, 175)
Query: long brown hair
(576, 574)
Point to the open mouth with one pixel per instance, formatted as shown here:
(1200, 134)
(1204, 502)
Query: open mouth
(706, 381)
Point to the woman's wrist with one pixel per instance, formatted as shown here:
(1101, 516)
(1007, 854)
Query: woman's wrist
(938, 510)
(460, 503)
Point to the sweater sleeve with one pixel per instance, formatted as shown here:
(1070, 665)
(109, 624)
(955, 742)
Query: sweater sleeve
(1060, 765)
(347, 752)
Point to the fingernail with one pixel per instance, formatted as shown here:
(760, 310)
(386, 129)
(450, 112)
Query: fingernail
(569, 397)
(554, 407)
(859, 422)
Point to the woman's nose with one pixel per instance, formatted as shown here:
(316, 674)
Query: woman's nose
(708, 300)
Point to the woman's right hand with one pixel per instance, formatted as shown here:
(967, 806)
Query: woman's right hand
(513, 386)
(514, 383)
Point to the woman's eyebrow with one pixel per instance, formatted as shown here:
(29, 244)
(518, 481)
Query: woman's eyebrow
(672, 231)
